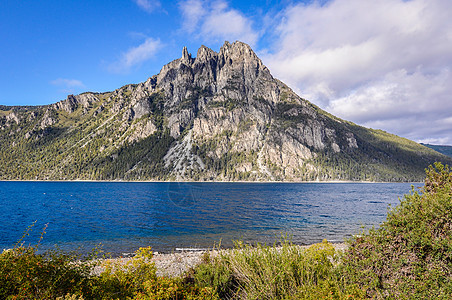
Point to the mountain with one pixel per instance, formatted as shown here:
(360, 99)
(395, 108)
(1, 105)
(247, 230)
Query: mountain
(219, 116)
(446, 150)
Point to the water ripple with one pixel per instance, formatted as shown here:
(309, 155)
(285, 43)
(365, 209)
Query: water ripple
(124, 216)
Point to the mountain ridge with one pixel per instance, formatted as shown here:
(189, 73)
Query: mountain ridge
(218, 116)
(444, 149)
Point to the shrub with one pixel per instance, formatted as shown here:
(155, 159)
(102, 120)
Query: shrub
(410, 255)
(214, 272)
(137, 279)
(25, 274)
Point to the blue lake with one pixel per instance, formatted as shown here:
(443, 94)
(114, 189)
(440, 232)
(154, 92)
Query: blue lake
(123, 216)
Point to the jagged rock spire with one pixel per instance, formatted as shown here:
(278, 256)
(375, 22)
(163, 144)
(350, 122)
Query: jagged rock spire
(186, 57)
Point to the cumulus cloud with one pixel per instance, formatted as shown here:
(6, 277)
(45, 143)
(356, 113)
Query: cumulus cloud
(396, 94)
(415, 105)
(192, 12)
(148, 5)
(372, 62)
(216, 21)
(136, 55)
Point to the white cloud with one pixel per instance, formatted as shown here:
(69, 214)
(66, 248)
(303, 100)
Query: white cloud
(148, 5)
(371, 62)
(136, 55)
(192, 12)
(216, 21)
(70, 83)
(68, 86)
(413, 105)
(398, 94)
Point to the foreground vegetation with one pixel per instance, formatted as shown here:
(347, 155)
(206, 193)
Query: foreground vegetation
(408, 257)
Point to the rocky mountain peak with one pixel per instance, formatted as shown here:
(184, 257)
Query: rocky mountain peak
(218, 116)
(234, 70)
(238, 51)
(204, 54)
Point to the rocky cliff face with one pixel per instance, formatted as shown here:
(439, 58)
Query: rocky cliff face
(218, 116)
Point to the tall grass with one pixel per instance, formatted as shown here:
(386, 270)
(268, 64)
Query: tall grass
(284, 272)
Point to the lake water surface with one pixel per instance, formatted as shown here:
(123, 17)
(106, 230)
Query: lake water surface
(123, 216)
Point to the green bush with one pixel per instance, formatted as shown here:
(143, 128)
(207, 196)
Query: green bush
(214, 272)
(25, 274)
(410, 255)
(137, 279)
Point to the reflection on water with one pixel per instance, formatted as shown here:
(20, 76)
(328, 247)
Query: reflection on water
(124, 216)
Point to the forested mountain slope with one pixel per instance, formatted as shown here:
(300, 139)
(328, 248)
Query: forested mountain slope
(219, 116)
(446, 150)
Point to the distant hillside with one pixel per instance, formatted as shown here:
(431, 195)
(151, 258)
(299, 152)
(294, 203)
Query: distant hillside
(446, 150)
(219, 116)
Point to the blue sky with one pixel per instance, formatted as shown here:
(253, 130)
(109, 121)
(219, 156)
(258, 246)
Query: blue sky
(382, 64)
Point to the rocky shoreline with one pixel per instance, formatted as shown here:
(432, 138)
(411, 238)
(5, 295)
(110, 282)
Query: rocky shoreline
(177, 263)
